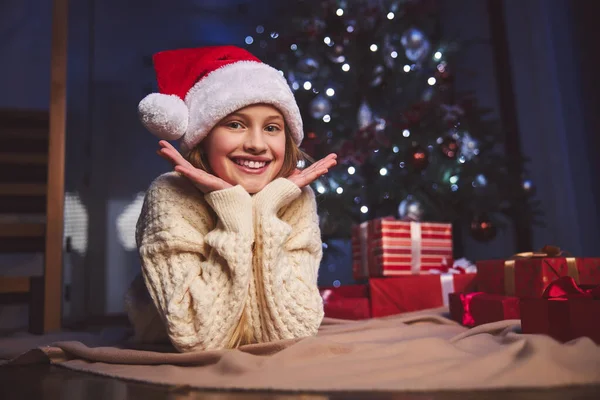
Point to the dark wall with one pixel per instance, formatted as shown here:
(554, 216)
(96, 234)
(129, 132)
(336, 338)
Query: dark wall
(584, 23)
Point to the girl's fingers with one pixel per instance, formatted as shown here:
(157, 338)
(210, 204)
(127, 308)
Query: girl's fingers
(167, 148)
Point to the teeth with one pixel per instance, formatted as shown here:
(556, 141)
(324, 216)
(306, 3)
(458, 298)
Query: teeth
(251, 164)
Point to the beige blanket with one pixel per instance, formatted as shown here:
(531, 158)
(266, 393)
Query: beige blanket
(418, 351)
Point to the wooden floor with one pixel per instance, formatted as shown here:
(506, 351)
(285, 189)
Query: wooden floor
(50, 382)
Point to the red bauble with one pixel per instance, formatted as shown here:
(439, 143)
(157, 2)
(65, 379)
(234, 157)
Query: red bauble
(449, 147)
(483, 229)
(418, 158)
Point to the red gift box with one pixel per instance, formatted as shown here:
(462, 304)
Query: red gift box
(528, 274)
(388, 247)
(346, 302)
(402, 294)
(478, 308)
(565, 312)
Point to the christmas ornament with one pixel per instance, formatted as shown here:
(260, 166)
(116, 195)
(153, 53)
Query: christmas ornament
(451, 113)
(310, 143)
(336, 55)
(314, 26)
(483, 229)
(319, 107)
(416, 45)
(410, 209)
(480, 181)
(365, 115)
(307, 68)
(449, 147)
(377, 76)
(418, 158)
(468, 146)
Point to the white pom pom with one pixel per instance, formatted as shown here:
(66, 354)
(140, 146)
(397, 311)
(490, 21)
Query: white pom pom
(166, 116)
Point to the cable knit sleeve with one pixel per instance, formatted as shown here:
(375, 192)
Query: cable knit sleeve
(288, 245)
(196, 262)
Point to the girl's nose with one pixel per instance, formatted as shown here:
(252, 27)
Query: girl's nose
(255, 142)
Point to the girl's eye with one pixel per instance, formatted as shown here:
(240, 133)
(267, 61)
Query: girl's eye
(272, 128)
(234, 125)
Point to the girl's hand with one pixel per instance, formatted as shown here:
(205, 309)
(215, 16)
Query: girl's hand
(306, 176)
(204, 181)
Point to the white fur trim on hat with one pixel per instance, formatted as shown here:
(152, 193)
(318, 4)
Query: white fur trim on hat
(236, 86)
(166, 116)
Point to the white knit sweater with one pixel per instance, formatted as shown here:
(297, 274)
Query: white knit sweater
(208, 258)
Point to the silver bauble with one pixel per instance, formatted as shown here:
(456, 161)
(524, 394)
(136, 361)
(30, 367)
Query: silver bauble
(410, 209)
(307, 68)
(319, 107)
(415, 44)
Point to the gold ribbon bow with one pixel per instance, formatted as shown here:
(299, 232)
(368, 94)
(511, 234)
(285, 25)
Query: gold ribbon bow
(546, 251)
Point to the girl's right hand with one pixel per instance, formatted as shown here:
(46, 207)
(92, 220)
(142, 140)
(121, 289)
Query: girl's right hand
(204, 181)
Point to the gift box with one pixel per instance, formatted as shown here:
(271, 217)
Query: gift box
(346, 302)
(402, 294)
(528, 274)
(388, 247)
(566, 311)
(478, 308)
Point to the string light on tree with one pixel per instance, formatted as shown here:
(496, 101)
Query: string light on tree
(364, 209)
(351, 170)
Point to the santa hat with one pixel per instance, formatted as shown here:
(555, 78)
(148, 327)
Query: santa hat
(199, 87)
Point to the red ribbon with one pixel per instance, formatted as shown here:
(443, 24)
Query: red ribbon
(566, 288)
(465, 299)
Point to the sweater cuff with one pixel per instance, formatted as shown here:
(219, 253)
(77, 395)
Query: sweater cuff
(233, 207)
(277, 194)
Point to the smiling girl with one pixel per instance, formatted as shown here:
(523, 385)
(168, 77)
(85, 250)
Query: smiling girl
(229, 241)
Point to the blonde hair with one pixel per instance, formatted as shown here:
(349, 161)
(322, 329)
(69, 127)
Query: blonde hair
(242, 333)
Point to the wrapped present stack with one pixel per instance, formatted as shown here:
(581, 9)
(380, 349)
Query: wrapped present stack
(405, 266)
(551, 292)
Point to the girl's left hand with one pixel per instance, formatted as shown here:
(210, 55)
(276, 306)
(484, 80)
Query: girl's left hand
(307, 176)
(204, 181)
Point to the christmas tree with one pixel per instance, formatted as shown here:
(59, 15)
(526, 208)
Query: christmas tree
(374, 82)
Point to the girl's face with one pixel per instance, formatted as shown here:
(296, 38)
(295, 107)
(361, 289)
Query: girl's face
(247, 147)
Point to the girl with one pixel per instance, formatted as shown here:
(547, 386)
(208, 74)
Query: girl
(229, 243)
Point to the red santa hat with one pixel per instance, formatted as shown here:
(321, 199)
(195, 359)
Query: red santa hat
(199, 87)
